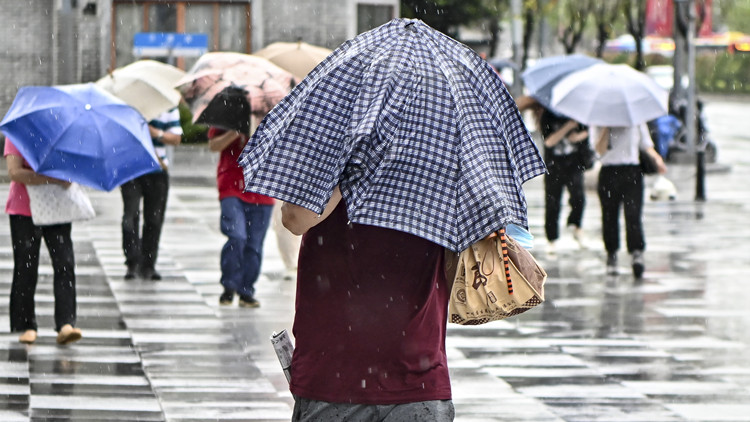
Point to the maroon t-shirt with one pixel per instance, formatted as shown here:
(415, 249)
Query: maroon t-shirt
(370, 316)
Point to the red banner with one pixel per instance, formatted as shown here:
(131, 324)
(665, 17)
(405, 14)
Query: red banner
(660, 17)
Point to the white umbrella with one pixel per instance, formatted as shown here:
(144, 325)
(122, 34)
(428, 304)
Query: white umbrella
(609, 95)
(146, 85)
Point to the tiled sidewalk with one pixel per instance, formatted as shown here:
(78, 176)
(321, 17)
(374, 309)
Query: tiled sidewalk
(673, 348)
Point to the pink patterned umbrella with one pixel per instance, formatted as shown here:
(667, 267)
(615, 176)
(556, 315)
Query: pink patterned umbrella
(266, 84)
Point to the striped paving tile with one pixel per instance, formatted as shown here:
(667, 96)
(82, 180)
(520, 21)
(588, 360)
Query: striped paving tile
(193, 360)
(97, 378)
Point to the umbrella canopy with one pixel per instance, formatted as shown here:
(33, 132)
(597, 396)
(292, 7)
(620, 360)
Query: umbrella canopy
(609, 95)
(228, 110)
(299, 58)
(266, 84)
(547, 72)
(80, 133)
(416, 129)
(146, 85)
(500, 63)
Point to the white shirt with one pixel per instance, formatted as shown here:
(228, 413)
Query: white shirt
(623, 145)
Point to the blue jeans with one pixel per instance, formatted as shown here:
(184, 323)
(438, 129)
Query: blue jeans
(245, 225)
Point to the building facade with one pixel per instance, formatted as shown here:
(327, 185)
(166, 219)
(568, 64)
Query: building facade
(52, 42)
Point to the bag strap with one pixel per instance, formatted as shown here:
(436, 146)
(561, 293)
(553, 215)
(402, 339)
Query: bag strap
(506, 259)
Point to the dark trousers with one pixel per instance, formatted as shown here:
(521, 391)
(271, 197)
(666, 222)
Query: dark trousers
(621, 186)
(563, 174)
(26, 239)
(141, 250)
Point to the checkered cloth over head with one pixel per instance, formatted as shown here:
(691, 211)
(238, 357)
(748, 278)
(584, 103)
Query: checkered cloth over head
(416, 129)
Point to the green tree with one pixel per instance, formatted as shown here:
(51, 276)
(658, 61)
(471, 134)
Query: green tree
(445, 15)
(635, 20)
(576, 14)
(606, 13)
(495, 11)
(734, 13)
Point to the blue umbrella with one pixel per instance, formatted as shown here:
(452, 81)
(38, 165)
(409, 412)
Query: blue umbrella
(546, 72)
(80, 133)
(416, 129)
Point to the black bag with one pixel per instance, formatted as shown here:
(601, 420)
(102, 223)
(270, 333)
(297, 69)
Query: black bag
(648, 164)
(586, 155)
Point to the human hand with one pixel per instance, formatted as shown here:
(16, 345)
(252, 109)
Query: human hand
(154, 132)
(64, 183)
(661, 166)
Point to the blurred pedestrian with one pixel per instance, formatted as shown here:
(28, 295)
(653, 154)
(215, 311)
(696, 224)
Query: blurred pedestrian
(287, 242)
(621, 185)
(141, 249)
(567, 154)
(26, 240)
(245, 217)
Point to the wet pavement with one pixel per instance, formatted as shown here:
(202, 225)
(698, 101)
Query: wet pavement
(673, 347)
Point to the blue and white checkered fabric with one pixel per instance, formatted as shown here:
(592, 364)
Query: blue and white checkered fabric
(418, 131)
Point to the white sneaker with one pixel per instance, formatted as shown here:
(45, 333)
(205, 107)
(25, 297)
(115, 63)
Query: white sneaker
(577, 233)
(551, 248)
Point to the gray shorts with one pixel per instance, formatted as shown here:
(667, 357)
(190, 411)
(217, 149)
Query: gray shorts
(319, 411)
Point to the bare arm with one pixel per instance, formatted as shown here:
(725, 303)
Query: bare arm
(165, 137)
(557, 136)
(578, 136)
(299, 220)
(18, 173)
(601, 143)
(221, 142)
(660, 165)
(525, 102)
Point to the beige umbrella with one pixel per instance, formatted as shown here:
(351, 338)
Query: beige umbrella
(299, 58)
(146, 85)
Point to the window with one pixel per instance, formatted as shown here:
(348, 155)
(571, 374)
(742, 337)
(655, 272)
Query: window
(226, 24)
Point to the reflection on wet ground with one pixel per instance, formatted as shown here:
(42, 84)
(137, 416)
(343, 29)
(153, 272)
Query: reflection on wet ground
(672, 347)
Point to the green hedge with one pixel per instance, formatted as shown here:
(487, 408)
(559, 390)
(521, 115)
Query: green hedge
(723, 72)
(191, 134)
(715, 72)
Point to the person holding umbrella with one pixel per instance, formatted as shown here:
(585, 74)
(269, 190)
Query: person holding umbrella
(245, 218)
(141, 249)
(26, 239)
(398, 151)
(620, 185)
(616, 101)
(567, 155)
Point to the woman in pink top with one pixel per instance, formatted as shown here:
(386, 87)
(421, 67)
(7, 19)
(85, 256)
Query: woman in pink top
(26, 239)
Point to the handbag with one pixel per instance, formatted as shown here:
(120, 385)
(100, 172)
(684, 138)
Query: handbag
(55, 204)
(647, 162)
(586, 155)
(495, 279)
